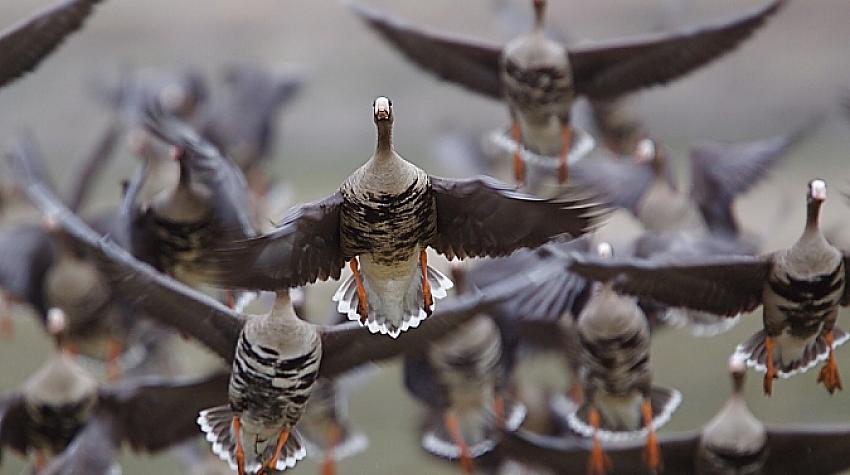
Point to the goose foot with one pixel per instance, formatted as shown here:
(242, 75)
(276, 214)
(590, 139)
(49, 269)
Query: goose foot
(240, 453)
(829, 373)
(362, 303)
(426, 286)
(770, 372)
(566, 141)
(453, 427)
(652, 452)
(281, 441)
(519, 167)
(599, 463)
(333, 435)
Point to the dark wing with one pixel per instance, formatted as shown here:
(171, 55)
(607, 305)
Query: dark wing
(156, 413)
(160, 297)
(94, 164)
(231, 199)
(614, 68)
(13, 423)
(26, 253)
(815, 450)
(468, 62)
(720, 172)
(24, 45)
(725, 285)
(482, 217)
(347, 346)
(305, 248)
(93, 450)
(623, 183)
(569, 454)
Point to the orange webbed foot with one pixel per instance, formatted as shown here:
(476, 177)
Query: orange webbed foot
(240, 453)
(566, 142)
(770, 372)
(599, 463)
(829, 373)
(652, 452)
(519, 166)
(362, 301)
(453, 426)
(271, 464)
(426, 286)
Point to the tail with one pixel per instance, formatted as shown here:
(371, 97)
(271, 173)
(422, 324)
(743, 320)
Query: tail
(389, 315)
(216, 424)
(804, 358)
(478, 428)
(664, 402)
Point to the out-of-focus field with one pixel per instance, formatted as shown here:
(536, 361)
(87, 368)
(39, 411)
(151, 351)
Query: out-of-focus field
(794, 68)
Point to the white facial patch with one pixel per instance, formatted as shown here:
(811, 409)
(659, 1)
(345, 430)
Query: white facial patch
(605, 250)
(819, 189)
(645, 150)
(382, 107)
(55, 321)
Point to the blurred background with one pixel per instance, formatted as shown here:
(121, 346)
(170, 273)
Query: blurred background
(792, 69)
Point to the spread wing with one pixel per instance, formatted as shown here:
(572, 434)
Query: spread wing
(13, 423)
(170, 302)
(621, 182)
(24, 45)
(468, 62)
(614, 68)
(720, 172)
(305, 248)
(483, 217)
(725, 285)
(26, 253)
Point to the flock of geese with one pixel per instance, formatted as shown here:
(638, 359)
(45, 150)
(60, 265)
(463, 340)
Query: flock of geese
(187, 252)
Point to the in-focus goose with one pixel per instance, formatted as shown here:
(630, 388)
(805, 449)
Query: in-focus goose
(250, 349)
(800, 289)
(732, 442)
(540, 78)
(620, 400)
(28, 42)
(381, 222)
(210, 201)
(720, 172)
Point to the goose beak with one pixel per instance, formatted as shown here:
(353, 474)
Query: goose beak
(383, 108)
(818, 190)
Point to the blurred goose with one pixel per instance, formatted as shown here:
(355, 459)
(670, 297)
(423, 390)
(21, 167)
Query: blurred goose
(621, 402)
(61, 404)
(381, 222)
(28, 42)
(732, 442)
(292, 350)
(210, 201)
(539, 78)
(800, 289)
(719, 173)
(459, 379)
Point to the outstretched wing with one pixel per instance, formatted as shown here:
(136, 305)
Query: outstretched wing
(468, 62)
(726, 285)
(305, 248)
(483, 217)
(24, 45)
(606, 70)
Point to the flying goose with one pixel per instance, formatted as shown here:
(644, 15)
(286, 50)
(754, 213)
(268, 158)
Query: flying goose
(800, 289)
(733, 441)
(645, 186)
(381, 222)
(298, 350)
(60, 404)
(539, 78)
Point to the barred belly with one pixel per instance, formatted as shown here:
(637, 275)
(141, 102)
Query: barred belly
(180, 243)
(269, 390)
(388, 226)
(538, 92)
(616, 365)
(805, 303)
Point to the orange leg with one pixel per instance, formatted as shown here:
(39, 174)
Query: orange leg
(652, 452)
(113, 352)
(240, 453)
(576, 393)
(333, 435)
(40, 461)
(599, 464)
(499, 411)
(770, 373)
(519, 167)
(362, 304)
(453, 426)
(281, 441)
(426, 286)
(566, 141)
(229, 298)
(829, 373)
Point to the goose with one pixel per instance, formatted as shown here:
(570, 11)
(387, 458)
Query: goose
(733, 441)
(275, 368)
(799, 288)
(540, 78)
(381, 222)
